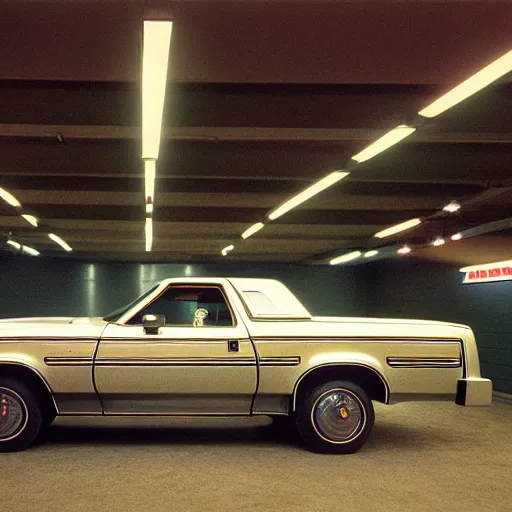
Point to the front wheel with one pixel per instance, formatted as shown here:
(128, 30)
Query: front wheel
(336, 417)
(20, 416)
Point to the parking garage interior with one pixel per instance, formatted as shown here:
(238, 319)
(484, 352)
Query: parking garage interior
(263, 99)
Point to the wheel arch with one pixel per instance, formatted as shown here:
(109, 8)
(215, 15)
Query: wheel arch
(370, 379)
(32, 378)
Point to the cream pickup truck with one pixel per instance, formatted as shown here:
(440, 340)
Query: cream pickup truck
(230, 347)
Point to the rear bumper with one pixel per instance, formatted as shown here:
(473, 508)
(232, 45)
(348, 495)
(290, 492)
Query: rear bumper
(474, 392)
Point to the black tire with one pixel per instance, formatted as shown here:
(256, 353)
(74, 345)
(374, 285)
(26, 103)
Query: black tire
(320, 427)
(23, 418)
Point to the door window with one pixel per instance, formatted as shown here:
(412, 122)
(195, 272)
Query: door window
(194, 306)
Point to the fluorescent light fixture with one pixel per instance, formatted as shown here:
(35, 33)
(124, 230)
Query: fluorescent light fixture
(30, 219)
(155, 58)
(344, 258)
(149, 179)
(470, 86)
(487, 266)
(30, 250)
(456, 236)
(253, 229)
(306, 194)
(438, 242)
(386, 141)
(149, 208)
(149, 233)
(452, 207)
(14, 244)
(405, 249)
(25, 249)
(393, 230)
(58, 240)
(9, 198)
(371, 254)
(227, 249)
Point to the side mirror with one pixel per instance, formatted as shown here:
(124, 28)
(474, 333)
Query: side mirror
(153, 323)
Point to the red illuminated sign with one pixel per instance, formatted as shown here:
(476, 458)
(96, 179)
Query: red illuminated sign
(489, 274)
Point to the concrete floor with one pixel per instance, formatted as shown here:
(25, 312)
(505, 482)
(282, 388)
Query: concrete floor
(421, 457)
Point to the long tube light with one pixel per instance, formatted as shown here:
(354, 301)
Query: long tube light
(149, 179)
(393, 230)
(227, 249)
(371, 254)
(58, 240)
(30, 250)
(253, 229)
(478, 81)
(306, 194)
(14, 244)
(149, 233)
(487, 266)
(344, 258)
(30, 219)
(9, 198)
(25, 249)
(155, 59)
(385, 142)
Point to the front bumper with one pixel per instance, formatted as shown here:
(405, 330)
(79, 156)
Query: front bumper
(474, 392)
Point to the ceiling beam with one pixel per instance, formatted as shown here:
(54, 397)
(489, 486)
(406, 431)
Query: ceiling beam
(240, 134)
(340, 201)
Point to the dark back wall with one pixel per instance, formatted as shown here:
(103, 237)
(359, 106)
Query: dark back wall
(51, 287)
(434, 291)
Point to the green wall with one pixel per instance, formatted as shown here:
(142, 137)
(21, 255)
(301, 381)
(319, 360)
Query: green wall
(434, 291)
(51, 287)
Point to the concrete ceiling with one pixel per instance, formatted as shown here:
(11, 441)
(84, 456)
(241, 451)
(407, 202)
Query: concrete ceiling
(263, 98)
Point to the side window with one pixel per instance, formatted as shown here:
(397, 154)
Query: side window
(189, 306)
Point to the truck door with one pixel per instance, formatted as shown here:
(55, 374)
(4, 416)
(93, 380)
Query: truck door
(201, 363)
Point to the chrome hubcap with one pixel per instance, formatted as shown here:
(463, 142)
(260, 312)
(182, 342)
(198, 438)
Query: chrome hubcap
(12, 414)
(338, 416)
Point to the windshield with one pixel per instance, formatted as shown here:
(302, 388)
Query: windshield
(115, 315)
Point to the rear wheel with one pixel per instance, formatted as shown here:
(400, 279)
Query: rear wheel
(20, 416)
(336, 417)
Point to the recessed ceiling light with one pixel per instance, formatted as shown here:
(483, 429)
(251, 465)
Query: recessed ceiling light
(386, 141)
(306, 194)
(393, 230)
(438, 242)
(452, 207)
(9, 198)
(344, 258)
(30, 219)
(370, 254)
(155, 59)
(253, 229)
(456, 236)
(227, 249)
(58, 240)
(470, 86)
(405, 249)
